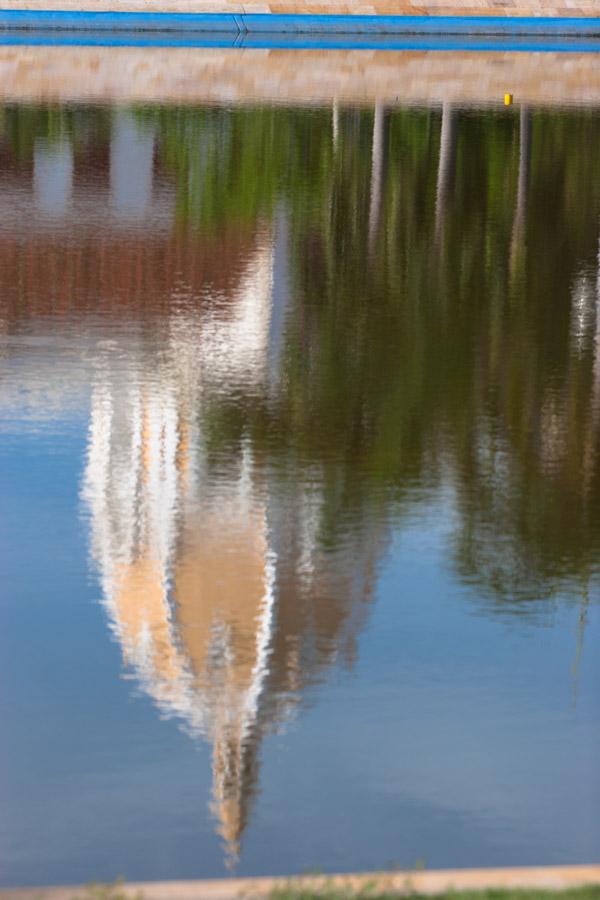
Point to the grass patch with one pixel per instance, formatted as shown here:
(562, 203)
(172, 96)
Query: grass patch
(295, 891)
(115, 891)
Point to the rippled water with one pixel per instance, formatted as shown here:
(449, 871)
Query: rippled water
(300, 477)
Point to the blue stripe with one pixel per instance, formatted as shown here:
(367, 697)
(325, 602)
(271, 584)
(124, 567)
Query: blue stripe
(328, 24)
(439, 43)
(267, 23)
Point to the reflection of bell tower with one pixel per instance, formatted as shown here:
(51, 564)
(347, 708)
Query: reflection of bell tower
(235, 775)
(223, 601)
(216, 589)
(187, 578)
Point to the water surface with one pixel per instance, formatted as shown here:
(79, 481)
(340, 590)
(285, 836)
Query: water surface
(300, 477)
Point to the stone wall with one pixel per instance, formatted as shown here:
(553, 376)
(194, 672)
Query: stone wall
(569, 8)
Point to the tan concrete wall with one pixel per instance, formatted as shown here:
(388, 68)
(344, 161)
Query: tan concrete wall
(359, 7)
(550, 877)
(297, 77)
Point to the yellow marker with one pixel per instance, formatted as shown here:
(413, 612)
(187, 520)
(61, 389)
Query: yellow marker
(508, 99)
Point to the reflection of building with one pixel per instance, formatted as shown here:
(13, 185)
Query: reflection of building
(217, 590)
(186, 577)
(99, 233)
(215, 587)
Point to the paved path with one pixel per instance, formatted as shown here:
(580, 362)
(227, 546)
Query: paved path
(551, 877)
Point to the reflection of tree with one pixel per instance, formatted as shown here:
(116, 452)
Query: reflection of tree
(335, 124)
(378, 164)
(21, 126)
(522, 186)
(453, 366)
(446, 163)
(418, 367)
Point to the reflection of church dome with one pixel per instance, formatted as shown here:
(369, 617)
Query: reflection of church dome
(216, 588)
(186, 578)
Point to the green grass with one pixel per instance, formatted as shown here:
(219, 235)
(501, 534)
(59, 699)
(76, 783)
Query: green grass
(114, 891)
(295, 889)
(298, 892)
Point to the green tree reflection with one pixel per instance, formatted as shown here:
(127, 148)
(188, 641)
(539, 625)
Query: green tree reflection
(443, 323)
(443, 329)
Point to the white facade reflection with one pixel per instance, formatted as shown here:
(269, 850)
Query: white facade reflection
(187, 577)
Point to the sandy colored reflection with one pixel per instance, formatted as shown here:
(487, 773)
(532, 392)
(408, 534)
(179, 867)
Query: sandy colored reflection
(191, 75)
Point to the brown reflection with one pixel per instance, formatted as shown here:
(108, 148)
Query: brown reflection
(112, 273)
(86, 228)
